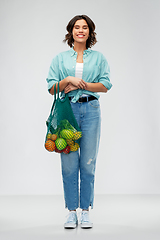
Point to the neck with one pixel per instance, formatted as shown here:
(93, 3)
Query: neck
(79, 47)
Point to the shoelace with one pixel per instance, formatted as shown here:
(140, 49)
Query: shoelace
(85, 217)
(71, 217)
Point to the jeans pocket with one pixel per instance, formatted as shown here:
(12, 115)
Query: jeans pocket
(94, 103)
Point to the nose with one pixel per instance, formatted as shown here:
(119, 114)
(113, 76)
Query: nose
(80, 29)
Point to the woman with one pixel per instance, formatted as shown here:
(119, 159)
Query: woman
(81, 73)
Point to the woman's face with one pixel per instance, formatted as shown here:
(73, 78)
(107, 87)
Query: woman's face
(80, 31)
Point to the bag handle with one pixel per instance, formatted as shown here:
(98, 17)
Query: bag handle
(55, 90)
(55, 95)
(51, 113)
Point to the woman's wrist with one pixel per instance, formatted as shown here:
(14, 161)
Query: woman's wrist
(62, 85)
(69, 79)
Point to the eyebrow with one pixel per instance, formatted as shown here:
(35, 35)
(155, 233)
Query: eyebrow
(82, 26)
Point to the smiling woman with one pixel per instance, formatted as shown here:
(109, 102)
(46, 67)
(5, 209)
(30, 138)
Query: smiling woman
(81, 73)
(88, 24)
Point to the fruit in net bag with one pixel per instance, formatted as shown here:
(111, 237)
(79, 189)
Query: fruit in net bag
(74, 147)
(77, 135)
(60, 143)
(53, 137)
(49, 135)
(70, 142)
(50, 145)
(58, 151)
(65, 123)
(66, 150)
(67, 134)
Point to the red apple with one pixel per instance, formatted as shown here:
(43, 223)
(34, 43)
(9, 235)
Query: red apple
(57, 150)
(66, 150)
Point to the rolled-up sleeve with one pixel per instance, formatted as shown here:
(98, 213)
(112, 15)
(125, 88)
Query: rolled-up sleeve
(53, 75)
(104, 76)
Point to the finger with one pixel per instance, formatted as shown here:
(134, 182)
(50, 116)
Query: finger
(82, 85)
(85, 84)
(67, 91)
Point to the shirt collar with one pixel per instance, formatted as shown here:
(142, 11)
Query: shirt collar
(87, 51)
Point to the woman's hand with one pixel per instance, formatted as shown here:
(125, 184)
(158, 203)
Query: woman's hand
(77, 82)
(70, 87)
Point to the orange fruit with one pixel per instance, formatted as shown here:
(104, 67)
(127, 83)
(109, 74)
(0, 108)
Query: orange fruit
(50, 145)
(53, 137)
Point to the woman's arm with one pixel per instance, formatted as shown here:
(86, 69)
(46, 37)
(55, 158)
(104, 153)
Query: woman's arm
(92, 87)
(76, 82)
(96, 87)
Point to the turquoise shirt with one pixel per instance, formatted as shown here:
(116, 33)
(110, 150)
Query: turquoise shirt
(95, 69)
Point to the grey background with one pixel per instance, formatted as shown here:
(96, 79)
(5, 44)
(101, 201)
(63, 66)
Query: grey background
(128, 35)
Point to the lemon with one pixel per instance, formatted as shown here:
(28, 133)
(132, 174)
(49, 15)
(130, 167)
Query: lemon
(77, 135)
(49, 136)
(74, 147)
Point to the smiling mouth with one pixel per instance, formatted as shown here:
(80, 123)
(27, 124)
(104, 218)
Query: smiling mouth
(80, 35)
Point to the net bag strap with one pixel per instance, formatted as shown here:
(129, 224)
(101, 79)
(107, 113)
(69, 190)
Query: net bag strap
(55, 96)
(52, 109)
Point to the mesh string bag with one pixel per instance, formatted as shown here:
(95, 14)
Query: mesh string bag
(62, 127)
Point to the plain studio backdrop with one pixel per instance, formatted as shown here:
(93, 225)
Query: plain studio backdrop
(128, 35)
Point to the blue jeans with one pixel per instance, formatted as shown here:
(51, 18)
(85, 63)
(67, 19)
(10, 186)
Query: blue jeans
(88, 118)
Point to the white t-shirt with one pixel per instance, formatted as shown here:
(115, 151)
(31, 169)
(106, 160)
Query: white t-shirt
(79, 72)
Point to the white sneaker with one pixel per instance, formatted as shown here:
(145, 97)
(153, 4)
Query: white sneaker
(85, 221)
(72, 220)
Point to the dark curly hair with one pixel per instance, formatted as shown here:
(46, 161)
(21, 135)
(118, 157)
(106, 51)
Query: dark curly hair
(92, 35)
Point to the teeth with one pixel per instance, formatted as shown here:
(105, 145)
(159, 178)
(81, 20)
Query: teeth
(80, 35)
